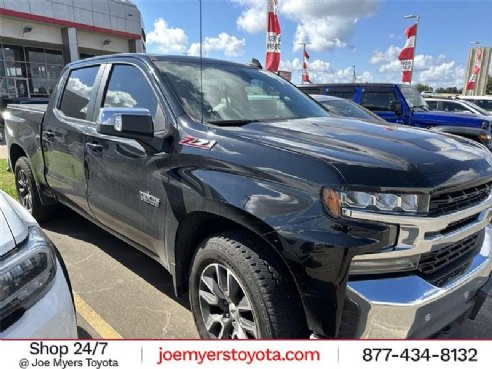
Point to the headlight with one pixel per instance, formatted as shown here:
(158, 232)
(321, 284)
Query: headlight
(372, 201)
(26, 273)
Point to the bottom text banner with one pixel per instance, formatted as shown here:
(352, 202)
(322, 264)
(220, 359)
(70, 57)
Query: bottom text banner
(207, 354)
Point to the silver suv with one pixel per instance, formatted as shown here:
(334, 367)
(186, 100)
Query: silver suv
(456, 106)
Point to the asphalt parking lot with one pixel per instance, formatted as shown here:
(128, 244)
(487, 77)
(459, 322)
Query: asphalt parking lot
(123, 293)
(120, 292)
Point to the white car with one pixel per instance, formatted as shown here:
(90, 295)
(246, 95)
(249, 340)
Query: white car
(35, 294)
(456, 106)
(485, 102)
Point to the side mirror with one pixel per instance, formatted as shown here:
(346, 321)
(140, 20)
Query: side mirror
(136, 123)
(395, 107)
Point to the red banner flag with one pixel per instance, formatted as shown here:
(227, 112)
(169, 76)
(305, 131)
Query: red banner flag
(476, 68)
(305, 74)
(406, 55)
(273, 38)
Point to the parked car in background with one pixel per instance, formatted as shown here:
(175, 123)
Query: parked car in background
(347, 109)
(457, 106)
(35, 295)
(403, 104)
(485, 102)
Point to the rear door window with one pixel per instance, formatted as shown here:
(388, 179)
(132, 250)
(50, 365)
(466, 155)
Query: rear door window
(432, 105)
(78, 89)
(452, 106)
(342, 92)
(378, 100)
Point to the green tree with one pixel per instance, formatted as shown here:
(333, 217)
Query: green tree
(488, 89)
(421, 87)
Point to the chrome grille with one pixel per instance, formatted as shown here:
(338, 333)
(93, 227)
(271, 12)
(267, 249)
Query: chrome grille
(437, 266)
(449, 202)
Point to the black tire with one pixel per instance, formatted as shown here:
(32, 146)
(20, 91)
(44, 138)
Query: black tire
(27, 191)
(276, 308)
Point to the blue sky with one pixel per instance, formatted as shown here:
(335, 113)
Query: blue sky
(364, 33)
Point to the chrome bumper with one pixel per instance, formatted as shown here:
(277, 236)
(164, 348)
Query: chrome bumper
(409, 306)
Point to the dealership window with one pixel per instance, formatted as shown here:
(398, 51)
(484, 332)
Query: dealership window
(28, 71)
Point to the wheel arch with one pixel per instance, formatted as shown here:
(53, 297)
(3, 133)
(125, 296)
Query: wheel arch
(198, 225)
(15, 152)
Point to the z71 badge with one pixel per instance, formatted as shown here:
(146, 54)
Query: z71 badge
(198, 142)
(149, 199)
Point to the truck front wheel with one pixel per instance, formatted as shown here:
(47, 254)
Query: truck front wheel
(239, 289)
(27, 192)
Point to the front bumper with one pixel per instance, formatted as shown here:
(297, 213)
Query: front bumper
(410, 307)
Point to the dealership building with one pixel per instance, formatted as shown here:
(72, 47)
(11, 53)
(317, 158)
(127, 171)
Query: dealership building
(38, 37)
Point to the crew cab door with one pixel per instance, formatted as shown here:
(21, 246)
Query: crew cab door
(378, 100)
(63, 134)
(122, 173)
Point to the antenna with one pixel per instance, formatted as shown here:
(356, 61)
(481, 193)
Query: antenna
(201, 61)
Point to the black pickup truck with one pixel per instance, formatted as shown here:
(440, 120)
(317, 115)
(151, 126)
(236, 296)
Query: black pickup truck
(279, 220)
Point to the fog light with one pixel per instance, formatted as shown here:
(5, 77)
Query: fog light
(378, 266)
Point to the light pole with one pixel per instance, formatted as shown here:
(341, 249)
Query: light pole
(303, 63)
(354, 78)
(417, 18)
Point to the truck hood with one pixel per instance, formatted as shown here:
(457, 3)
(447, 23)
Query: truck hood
(450, 119)
(379, 156)
(14, 223)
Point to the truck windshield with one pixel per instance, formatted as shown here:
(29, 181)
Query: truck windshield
(414, 98)
(234, 94)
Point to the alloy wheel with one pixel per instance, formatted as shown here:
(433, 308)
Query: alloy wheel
(24, 190)
(226, 309)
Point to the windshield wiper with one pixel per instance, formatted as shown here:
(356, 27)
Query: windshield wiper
(233, 122)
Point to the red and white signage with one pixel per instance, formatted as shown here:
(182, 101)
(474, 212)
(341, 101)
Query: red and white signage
(305, 74)
(476, 68)
(273, 38)
(406, 55)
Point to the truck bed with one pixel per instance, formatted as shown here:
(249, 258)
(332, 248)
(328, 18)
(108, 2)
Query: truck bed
(35, 108)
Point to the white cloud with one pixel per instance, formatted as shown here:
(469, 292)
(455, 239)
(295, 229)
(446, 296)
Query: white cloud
(253, 18)
(444, 74)
(384, 56)
(167, 39)
(321, 71)
(434, 70)
(325, 23)
(230, 45)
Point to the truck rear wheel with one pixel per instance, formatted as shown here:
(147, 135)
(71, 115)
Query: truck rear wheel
(27, 192)
(239, 289)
